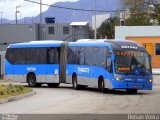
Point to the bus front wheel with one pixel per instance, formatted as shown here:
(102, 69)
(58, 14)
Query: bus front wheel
(101, 85)
(31, 79)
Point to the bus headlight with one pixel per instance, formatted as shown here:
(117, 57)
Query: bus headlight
(118, 78)
(150, 80)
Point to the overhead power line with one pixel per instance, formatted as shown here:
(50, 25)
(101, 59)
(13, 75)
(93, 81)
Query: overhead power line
(77, 9)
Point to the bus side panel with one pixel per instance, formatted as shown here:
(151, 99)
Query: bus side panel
(44, 73)
(8, 71)
(69, 73)
(21, 72)
(53, 73)
(88, 75)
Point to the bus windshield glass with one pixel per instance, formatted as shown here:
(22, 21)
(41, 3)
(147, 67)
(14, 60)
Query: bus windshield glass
(132, 63)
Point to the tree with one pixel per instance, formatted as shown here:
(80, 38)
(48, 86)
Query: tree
(138, 12)
(107, 29)
(154, 10)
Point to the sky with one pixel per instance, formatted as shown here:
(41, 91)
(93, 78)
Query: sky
(8, 7)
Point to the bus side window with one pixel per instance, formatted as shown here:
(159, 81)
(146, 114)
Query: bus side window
(19, 56)
(57, 55)
(71, 55)
(9, 55)
(43, 56)
(53, 55)
(81, 54)
(32, 56)
(109, 64)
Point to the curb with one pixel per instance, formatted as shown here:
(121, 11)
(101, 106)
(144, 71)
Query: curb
(18, 97)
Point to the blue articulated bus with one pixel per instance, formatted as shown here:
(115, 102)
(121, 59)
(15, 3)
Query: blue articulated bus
(102, 64)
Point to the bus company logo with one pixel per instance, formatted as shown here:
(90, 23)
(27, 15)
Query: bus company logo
(83, 70)
(126, 47)
(31, 69)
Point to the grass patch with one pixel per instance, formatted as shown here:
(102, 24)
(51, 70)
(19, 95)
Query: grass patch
(13, 90)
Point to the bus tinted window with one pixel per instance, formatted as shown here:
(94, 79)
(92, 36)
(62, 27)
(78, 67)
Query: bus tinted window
(81, 56)
(43, 56)
(72, 55)
(53, 55)
(9, 55)
(96, 56)
(89, 56)
(92, 56)
(32, 56)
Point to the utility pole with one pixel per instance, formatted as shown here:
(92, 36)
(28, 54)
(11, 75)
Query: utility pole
(1, 17)
(95, 23)
(20, 16)
(16, 13)
(40, 11)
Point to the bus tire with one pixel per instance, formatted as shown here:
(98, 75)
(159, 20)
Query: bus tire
(131, 91)
(53, 85)
(75, 84)
(31, 79)
(101, 85)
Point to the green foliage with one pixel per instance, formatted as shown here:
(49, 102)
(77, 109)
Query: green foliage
(107, 29)
(11, 90)
(154, 10)
(141, 12)
(139, 19)
(91, 33)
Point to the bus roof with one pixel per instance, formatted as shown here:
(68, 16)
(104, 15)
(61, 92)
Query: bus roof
(113, 45)
(46, 43)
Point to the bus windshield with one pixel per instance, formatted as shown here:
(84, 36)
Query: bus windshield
(132, 63)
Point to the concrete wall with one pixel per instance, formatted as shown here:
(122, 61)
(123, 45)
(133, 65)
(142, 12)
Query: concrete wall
(2, 58)
(121, 32)
(80, 32)
(10, 33)
(58, 32)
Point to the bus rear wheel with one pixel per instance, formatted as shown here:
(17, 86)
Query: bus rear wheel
(131, 91)
(53, 85)
(31, 79)
(101, 85)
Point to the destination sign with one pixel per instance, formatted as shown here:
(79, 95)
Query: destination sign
(129, 53)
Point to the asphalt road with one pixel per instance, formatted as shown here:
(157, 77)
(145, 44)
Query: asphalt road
(65, 100)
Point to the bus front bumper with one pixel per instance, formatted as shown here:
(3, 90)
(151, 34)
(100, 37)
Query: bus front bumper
(133, 85)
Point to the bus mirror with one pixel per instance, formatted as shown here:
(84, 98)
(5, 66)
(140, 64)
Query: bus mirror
(113, 57)
(110, 52)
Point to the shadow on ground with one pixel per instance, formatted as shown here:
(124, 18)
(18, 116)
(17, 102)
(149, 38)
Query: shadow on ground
(108, 91)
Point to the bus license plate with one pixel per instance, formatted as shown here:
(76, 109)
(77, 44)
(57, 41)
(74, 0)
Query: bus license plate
(135, 85)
